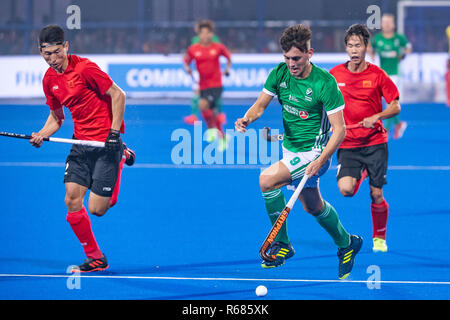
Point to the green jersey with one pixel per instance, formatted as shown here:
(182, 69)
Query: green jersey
(196, 39)
(306, 104)
(390, 51)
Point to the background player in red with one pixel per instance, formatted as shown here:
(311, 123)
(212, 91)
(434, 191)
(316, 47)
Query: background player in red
(97, 106)
(364, 150)
(206, 54)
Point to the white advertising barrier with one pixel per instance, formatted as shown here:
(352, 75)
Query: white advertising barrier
(163, 76)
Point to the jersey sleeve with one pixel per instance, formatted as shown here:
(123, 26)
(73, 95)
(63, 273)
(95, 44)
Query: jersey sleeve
(331, 96)
(271, 84)
(224, 51)
(188, 57)
(96, 79)
(388, 88)
(51, 100)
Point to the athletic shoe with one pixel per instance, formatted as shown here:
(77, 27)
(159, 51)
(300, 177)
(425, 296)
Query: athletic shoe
(222, 117)
(282, 251)
(364, 175)
(129, 154)
(379, 245)
(91, 265)
(347, 256)
(190, 119)
(223, 142)
(211, 134)
(399, 129)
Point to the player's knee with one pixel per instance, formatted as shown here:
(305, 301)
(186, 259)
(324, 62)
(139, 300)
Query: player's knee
(376, 195)
(265, 183)
(73, 202)
(98, 211)
(346, 190)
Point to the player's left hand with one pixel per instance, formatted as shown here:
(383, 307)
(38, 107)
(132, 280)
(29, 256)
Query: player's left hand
(113, 141)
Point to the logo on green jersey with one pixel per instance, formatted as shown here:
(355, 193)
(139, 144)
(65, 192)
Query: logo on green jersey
(308, 94)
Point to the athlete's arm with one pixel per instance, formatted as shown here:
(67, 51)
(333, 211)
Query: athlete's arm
(117, 105)
(53, 123)
(338, 134)
(255, 111)
(390, 111)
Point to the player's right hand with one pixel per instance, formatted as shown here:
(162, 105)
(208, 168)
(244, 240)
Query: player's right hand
(36, 140)
(241, 124)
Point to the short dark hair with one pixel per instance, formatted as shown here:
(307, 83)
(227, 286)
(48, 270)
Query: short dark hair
(358, 30)
(205, 24)
(297, 36)
(51, 34)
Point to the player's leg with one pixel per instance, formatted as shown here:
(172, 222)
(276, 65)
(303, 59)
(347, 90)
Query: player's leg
(377, 158)
(327, 217)
(79, 221)
(128, 158)
(222, 117)
(105, 181)
(77, 179)
(270, 182)
(351, 171)
(194, 108)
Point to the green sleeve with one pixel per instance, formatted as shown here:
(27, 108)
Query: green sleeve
(331, 96)
(271, 84)
(403, 40)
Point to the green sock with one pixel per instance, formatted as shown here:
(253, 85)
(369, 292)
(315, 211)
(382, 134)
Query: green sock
(329, 220)
(275, 203)
(194, 104)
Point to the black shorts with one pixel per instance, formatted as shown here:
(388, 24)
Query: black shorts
(212, 95)
(373, 158)
(94, 168)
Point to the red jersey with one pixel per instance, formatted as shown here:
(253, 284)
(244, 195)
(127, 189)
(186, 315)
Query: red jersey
(207, 62)
(362, 95)
(82, 89)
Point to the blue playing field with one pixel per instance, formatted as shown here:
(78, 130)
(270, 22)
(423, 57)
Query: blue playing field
(194, 231)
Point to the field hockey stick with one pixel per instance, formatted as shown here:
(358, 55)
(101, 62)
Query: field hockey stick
(279, 137)
(52, 139)
(279, 223)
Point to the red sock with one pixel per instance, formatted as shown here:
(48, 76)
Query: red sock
(364, 175)
(115, 195)
(81, 226)
(219, 125)
(379, 219)
(209, 117)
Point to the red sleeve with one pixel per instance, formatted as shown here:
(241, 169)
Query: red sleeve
(51, 100)
(188, 57)
(96, 79)
(224, 51)
(388, 88)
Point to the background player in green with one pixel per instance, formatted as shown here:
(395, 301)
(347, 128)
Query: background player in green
(391, 47)
(190, 119)
(311, 105)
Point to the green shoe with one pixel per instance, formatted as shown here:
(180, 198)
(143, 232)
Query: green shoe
(211, 134)
(282, 251)
(379, 245)
(223, 142)
(347, 256)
